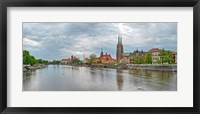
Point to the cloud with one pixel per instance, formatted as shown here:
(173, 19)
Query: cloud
(59, 40)
(30, 42)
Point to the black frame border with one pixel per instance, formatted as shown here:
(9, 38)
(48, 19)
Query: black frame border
(99, 3)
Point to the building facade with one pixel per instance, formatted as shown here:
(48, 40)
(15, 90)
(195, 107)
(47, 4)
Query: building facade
(135, 54)
(174, 54)
(65, 61)
(107, 58)
(73, 58)
(155, 55)
(125, 58)
(86, 60)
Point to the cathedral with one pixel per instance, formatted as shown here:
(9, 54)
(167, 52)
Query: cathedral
(119, 50)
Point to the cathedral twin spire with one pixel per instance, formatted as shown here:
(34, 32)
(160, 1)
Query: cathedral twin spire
(119, 50)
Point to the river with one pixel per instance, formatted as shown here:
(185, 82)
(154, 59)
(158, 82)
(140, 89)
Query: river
(73, 78)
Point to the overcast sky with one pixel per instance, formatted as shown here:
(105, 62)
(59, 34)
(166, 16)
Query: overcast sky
(54, 41)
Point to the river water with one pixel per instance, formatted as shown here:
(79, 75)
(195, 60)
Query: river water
(72, 78)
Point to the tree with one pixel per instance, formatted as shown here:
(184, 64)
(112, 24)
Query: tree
(40, 61)
(162, 56)
(142, 59)
(76, 61)
(99, 60)
(169, 57)
(30, 59)
(53, 62)
(26, 57)
(137, 60)
(46, 62)
(92, 57)
(148, 58)
(165, 57)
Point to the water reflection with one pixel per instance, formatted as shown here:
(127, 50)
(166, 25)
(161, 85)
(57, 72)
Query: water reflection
(71, 78)
(120, 81)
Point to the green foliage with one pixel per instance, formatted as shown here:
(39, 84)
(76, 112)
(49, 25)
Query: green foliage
(92, 58)
(165, 57)
(76, 61)
(139, 60)
(136, 60)
(142, 59)
(30, 59)
(26, 57)
(54, 62)
(45, 62)
(40, 61)
(148, 58)
(99, 60)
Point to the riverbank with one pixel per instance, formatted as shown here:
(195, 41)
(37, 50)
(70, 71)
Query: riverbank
(33, 67)
(147, 67)
(153, 67)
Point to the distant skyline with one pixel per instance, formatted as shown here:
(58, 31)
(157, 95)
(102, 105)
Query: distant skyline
(54, 41)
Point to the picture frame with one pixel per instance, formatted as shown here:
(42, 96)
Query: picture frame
(195, 4)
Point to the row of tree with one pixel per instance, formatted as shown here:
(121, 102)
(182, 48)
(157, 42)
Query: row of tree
(30, 59)
(147, 59)
(55, 62)
(165, 56)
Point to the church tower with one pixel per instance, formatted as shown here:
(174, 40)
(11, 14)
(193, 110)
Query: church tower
(101, 54)
(119, 50)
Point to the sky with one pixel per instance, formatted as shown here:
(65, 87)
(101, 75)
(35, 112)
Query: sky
(55, 41)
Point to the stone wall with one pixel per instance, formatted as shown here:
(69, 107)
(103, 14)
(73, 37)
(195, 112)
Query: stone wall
(154, 67)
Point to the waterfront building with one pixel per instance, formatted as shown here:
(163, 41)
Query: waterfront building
(68, 60)
(136, 53)
(86, 60)
(107, 58)
(119, 49)
(65, 61)
(96, 60)
(155, 55)
(174, 54)
(125, 58)
(73, 58)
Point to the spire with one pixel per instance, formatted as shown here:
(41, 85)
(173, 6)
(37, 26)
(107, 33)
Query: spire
(101, 52)
(119, 49)
(119, 38)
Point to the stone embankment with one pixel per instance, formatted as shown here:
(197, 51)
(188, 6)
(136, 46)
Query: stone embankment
(153, 67)
(113, 66)
(150, 67)
(34, 67)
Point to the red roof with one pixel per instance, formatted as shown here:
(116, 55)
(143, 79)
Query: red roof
(154, 50)
(106, 56)
(65, 59)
